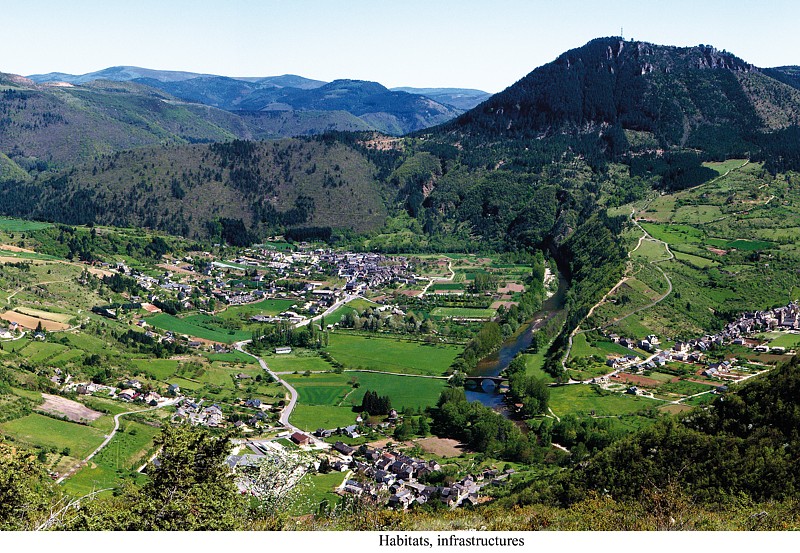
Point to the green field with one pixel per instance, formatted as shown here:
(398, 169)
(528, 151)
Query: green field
(157, 369)
(582, 399)
(311, 417)
(199, 326)
(391, 355)
(463, 313)
(265, 307)
(314, 489)
(333, 396)
(233, 356)
(300, 361)
(446, 286)
(39, 430)
(18, 225)
(786, 341)
(126, 451)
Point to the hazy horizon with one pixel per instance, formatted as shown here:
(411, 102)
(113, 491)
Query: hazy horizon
(466, 44)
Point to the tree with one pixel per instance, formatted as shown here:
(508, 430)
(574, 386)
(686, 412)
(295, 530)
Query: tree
(26, 491)
(192, 487)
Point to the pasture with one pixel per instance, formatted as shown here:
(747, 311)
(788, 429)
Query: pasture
(391, 355)
(40, 430)
(198, 326)
(583, 400)
(462, 313)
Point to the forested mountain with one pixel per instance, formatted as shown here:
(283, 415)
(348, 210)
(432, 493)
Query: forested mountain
(461, 98)
(693, 97)
(378, 108)
(382, 109)
(237, 191)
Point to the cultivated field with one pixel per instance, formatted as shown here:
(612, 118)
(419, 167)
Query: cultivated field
(73, 410)
(31, 323)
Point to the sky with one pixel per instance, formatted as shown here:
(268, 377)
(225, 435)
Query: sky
(487, 45)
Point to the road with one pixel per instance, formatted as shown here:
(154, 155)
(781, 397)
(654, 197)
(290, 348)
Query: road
(112, 434)
(645, 236)
(332, 308)
(286, 412)
(433, 280)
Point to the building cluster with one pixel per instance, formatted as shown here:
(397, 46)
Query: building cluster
(395, 478)
(197, 415)
(364, 271)
(738, 332)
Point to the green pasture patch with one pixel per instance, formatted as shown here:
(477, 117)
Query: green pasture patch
(314, 489)
(233, 356)
(651, 251)
(446, 286)
(694, 260)
(786, 341)
(297, 361)
(269, 307)
(583, 399)
(199, 326)
(19, 225)
(749, 245)
(722, 167)
(463, 313)
(697, 214)
(391, 354)
(40, 430)
(311, 417)
(185, 384)
(40, 351)
(684, 387)
(157, 369)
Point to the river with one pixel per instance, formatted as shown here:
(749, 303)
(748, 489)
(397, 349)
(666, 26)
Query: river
(495, 363)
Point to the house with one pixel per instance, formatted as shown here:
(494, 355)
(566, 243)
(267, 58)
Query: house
(300, 439)
(351, 431)
(254, 403)
(322, 433)
(344, 449)
(127, 395)
(173, 389)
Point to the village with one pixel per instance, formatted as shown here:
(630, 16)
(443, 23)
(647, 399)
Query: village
(741, 332)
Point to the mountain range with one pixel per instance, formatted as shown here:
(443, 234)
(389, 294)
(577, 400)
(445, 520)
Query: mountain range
(660, 110)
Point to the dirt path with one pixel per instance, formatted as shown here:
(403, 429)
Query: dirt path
(434, 280)
(108, 439)
(645, 236)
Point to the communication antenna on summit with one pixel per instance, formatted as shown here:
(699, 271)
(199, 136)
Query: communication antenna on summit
(622, 36)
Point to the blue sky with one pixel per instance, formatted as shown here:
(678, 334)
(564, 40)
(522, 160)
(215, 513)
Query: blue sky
(426, 43)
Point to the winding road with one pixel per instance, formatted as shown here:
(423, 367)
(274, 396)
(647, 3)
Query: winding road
(287, 410)
(111, 436)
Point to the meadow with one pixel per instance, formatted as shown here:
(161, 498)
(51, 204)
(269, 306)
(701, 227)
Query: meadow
(391, 355)
(583, 400)
(331, 397)
(43, 431)
(198, 326)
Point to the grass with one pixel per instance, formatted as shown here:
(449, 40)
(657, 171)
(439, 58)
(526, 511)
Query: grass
(18, 225)
(265, 307)
(126, 451)
(311, 417)
(315, 489)
(198, 326)
(39, 430)
(300, 361)
(463, 312)
(157, 369)
(332, 395)
(786, 341)
(391, 355)
(231, 357)
(581, 400)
